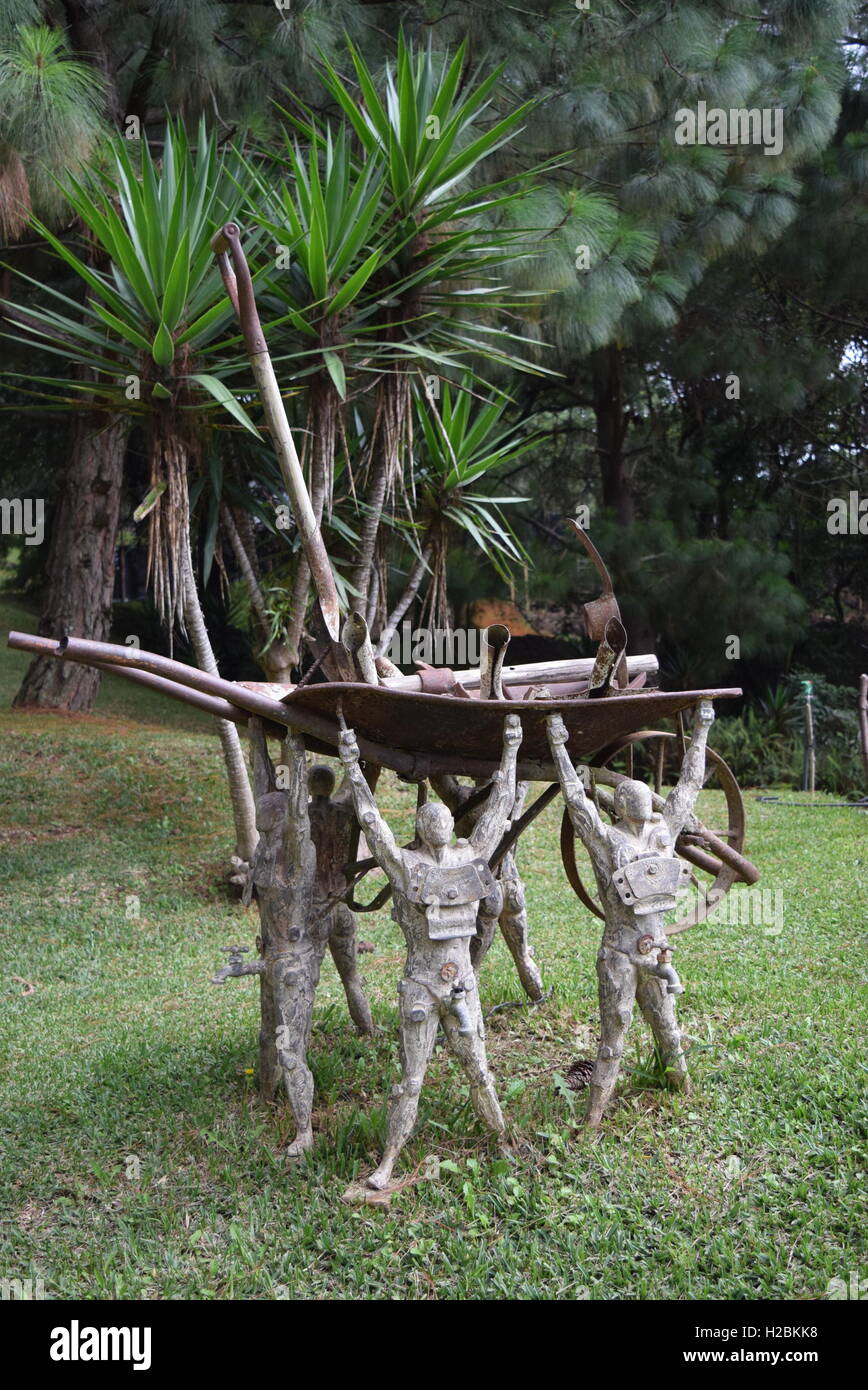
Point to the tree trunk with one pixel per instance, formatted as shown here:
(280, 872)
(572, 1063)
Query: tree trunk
(274, 656)
(86, 37)
(374, 503)
(78, 599)
(611, 430)
(243, 811)
(411, 589)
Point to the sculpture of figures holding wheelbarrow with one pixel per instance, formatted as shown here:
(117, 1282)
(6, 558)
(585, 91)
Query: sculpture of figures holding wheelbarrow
(638, 875)
(301, 873)
(437, 888)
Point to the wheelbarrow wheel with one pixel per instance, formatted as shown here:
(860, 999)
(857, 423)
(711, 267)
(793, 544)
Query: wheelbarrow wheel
(719, 856)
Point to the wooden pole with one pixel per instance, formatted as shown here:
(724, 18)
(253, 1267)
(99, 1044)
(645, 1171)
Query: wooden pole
(863, 721)
(810, 764)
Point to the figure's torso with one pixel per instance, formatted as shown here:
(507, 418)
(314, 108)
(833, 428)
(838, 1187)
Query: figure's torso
(438, 933)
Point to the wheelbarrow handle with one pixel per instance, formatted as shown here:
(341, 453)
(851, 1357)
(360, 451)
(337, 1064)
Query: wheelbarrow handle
(232, 263)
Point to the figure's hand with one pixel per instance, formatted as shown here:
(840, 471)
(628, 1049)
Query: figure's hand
(348, 748)
(511, 731)
(557, 730)
(705, 713)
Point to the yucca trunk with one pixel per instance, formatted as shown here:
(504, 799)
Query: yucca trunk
(243, 810)
(275, 656)
(391, 437)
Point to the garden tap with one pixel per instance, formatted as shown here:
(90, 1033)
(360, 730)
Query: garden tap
(235, 966)
(666, 971)
(458, 1008)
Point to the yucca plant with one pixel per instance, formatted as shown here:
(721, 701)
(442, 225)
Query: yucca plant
(153, 320)
(326, 220)
(433, 302)
(460, 444)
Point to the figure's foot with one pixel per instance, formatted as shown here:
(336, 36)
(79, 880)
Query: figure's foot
(594, 1117)
(358, 1194)
(679, 1081)
(381, 1177)
(301, 1144)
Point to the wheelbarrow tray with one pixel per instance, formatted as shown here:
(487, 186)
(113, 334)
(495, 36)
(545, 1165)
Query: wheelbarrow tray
(417, 734)
(448, 734)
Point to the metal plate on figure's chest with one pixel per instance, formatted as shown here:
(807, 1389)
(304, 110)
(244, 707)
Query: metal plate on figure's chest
(450, 896)
(650, 884)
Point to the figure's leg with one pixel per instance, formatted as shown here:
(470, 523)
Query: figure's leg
(658, 1010)
(342, 944)
(514, 925)
(419, 1019)
(294, 979)
(270, 1073)
(617, 981)
(487, 914)
(469, 1048)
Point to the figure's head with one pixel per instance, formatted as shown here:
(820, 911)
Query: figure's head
(434, 825)
(270, 811)
(321, 780)
(633, 801)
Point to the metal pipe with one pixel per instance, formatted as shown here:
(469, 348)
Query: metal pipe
(609, 653)
(539, 672)
(356, 638)
(180, 680)
(495, 640)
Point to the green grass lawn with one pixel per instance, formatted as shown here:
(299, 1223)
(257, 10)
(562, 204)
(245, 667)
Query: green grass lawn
(139, 1162)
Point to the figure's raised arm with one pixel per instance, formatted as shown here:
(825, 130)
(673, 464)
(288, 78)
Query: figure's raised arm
(583, 813)
(381, 841)
(263, 768)
(297, 821)
(491, 824)
(682, 799)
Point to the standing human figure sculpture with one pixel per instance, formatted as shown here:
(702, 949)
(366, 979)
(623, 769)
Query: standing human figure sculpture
(332, 822)
(296, 924)
(436, 891)
(638, 875)
(507, 905)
